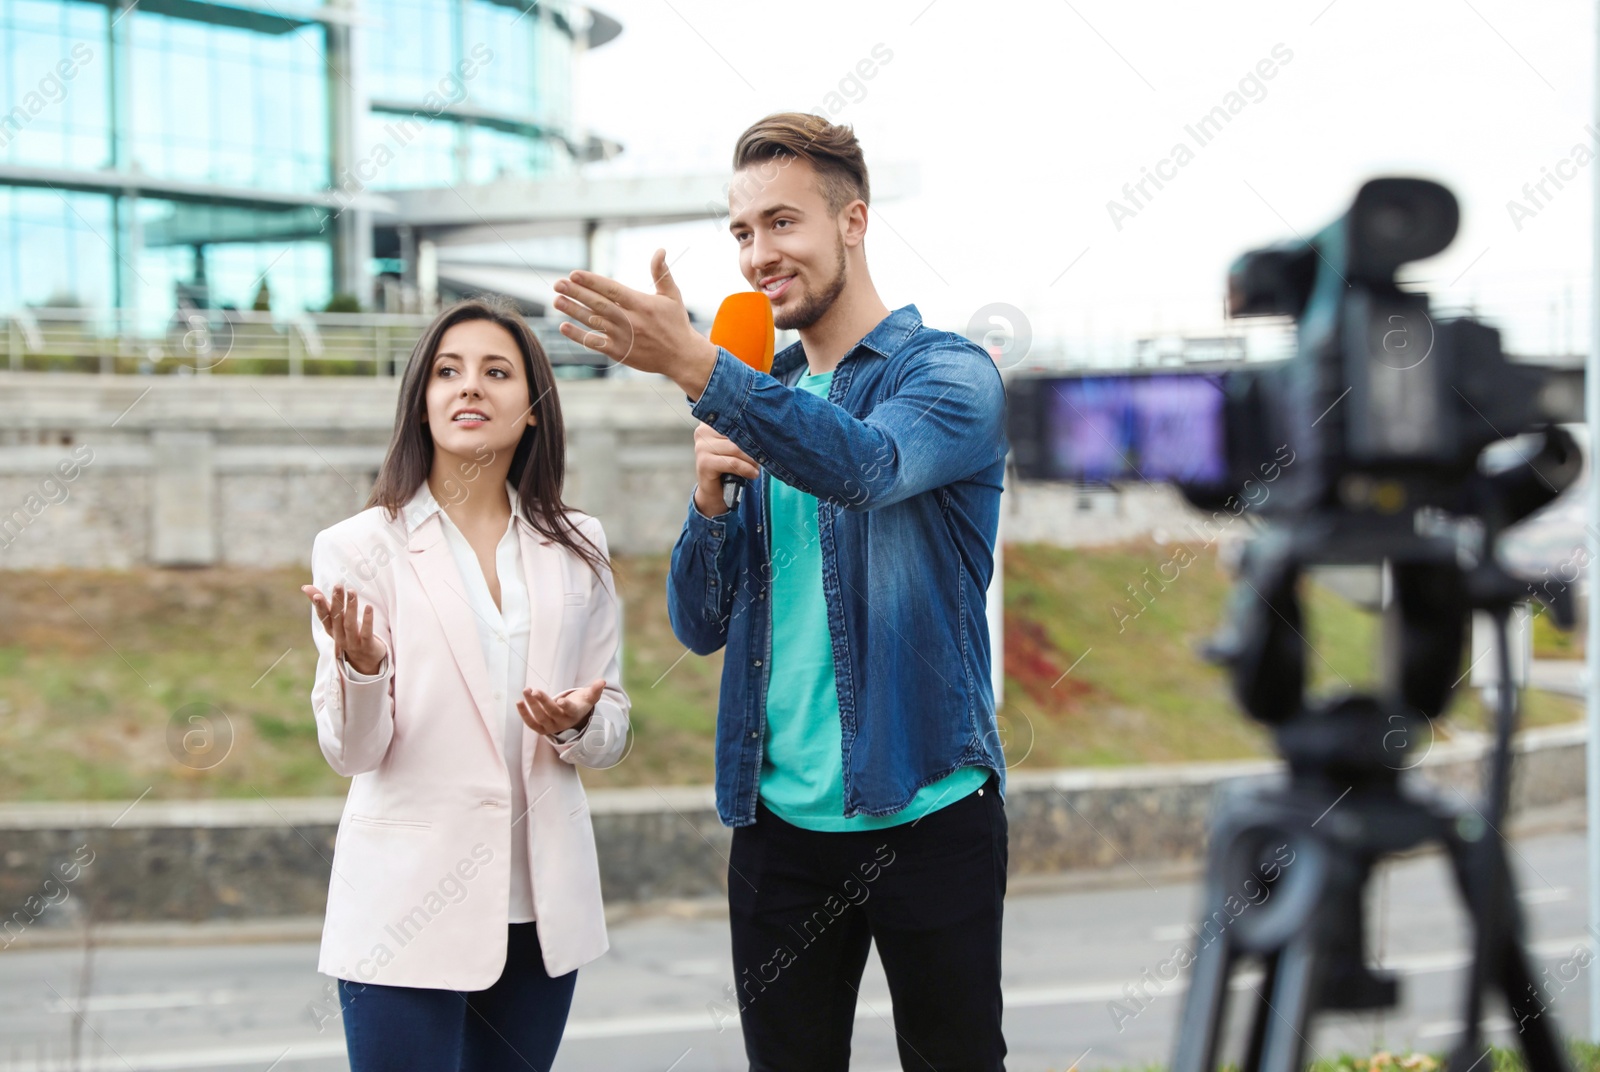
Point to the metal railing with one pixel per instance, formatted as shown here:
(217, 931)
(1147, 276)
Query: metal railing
(221, 342)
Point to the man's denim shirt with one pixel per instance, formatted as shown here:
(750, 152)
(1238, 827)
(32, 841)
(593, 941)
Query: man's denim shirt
(906, 457)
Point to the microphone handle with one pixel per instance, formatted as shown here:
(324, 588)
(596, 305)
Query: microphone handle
(732, 490)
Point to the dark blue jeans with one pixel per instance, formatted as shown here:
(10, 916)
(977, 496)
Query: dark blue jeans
(516, 1024)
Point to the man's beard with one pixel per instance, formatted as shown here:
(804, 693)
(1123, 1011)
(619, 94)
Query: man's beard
(815, 307)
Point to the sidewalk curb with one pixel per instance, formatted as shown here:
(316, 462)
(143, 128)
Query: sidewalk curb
(258, 870)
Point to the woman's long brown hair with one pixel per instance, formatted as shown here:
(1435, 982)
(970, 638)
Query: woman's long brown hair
(538, 465)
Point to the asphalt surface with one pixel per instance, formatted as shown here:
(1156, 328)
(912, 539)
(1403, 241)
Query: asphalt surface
(650, 1004)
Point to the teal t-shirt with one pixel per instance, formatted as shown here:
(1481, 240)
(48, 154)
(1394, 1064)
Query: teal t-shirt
(802, 767)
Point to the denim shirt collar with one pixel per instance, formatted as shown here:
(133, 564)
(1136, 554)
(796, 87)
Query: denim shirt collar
(884, 340)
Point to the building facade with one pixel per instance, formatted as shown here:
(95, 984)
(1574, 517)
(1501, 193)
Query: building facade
(172, 153)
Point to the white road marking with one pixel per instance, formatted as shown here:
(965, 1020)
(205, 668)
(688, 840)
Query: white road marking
(1492, 1025)
(702, 1019)
(1558, 893)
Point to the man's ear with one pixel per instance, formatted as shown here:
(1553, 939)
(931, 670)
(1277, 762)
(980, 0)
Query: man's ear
(855, 223)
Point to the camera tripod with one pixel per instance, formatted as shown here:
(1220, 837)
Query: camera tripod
(1344, 805)
(1310, 929)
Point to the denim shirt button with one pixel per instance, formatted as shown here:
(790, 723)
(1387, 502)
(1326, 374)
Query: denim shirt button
(758, 662)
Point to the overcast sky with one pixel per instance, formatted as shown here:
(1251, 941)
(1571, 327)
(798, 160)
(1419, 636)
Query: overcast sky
(1026, 117)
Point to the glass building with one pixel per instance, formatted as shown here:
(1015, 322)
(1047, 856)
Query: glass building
(166, 152)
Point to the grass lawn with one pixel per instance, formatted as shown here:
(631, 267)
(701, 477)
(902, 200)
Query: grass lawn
(1550, 642)
(103, 674)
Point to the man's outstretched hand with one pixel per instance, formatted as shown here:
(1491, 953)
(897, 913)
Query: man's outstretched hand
(648, 332)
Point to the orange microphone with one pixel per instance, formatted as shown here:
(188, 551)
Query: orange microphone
(744, 328)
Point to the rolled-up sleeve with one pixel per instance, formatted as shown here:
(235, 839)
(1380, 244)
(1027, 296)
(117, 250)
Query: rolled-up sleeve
(943, 421)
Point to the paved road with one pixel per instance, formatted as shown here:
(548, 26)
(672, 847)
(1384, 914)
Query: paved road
(646, 1006)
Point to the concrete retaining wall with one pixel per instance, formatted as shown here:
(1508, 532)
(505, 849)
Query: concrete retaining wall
(245, 470)
(251, 860)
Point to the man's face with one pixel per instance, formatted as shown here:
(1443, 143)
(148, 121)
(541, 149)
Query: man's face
(790, 245)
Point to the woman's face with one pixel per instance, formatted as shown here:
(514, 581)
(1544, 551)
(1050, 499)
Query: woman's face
(478, 394)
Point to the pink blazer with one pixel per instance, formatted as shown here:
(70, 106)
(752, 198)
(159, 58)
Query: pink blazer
(421, 866)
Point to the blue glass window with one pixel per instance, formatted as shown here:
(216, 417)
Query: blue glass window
(56, 248)
(444, 58)
(553, 65)
(229, 106)
(508, 82)
(298, 268)
(475, 83)
(53, 84)
(410, 46)
(423, 151)
(495, 153)
(298, 274)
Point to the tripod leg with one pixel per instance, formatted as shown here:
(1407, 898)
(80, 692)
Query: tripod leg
(1205, 1008)
(1511, 969)
(1287, 1008)
(1541, 1042)
(1259, 1022)
(1497, 926)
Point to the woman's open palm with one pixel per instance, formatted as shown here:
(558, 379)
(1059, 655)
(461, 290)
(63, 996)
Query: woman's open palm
(352, 634)
(552, 714)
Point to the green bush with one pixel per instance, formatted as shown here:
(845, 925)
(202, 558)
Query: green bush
(343, 303)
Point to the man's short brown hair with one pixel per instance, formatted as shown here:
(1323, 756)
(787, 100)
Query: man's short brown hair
(830, 148)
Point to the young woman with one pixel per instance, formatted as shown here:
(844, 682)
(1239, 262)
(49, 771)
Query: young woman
(466, 625)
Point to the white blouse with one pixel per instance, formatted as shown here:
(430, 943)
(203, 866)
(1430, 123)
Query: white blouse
(503, 635)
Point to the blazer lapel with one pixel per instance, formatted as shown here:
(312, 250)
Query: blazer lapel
(441, 580)
(541, 566)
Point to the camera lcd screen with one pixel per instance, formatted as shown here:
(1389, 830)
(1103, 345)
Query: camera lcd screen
(1162, 427)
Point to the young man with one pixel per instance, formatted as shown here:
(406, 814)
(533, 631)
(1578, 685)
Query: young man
(857, 754)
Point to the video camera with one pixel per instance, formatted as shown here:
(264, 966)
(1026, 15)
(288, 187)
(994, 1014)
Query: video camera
(1390, 439)
(1371, 434)
(1384, 409)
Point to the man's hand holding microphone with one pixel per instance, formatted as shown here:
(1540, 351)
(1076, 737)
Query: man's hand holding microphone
(714, 455)
(652, 333)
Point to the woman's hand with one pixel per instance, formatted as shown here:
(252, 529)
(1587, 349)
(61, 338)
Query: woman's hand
(352, 638)
(551, 714)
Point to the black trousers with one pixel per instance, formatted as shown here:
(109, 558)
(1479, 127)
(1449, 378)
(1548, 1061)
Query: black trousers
(805, 907)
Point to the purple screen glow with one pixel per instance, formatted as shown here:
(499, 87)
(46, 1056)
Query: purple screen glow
(1150, 428)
